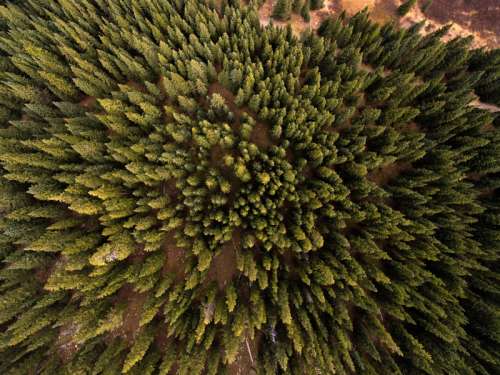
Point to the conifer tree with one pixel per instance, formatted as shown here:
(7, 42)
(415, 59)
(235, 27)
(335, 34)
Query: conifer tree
(304, 12)
(297, 6)
(406, 6)
(282, 9)
(317, 4)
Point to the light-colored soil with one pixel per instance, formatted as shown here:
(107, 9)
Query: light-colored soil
(478, 18)
(354, 6)
(383, 11)
(488, 107)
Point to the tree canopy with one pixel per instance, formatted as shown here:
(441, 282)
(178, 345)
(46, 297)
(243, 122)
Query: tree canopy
(180, 185)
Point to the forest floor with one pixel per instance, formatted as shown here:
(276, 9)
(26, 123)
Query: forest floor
(478, 18)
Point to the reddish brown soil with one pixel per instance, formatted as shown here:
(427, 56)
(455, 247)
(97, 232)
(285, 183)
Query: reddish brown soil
(169, 188)
(245, 359)
(136, 85)
(42, 274)
(217, 88)
(386, 173)
(88, 102)
(478, 16)
(66, 347)
(260, 136)
(174, 264)
(223, 267)
(411, 127)
(132, 314)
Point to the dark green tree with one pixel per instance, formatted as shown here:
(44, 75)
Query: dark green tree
(282, 10)
(317, 4)
(304, 12)
(406, 6)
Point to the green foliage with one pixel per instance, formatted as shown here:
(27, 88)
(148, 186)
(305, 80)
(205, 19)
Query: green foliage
(138, 350)
(181, 188)
(282, 9)
(304, 11)
(406, 6)
(317, 4)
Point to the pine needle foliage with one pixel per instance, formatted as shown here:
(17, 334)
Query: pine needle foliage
(343, 173)
(406, 7)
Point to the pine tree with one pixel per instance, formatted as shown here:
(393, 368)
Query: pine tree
(304, 12)
(317, 4)
(139, 348)
(297, 6)
(282, 10)
(405, 7)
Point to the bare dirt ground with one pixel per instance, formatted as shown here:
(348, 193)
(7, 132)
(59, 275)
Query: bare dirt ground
(478, 18)
(245, 360)
(174, 264)
(353, 6)
(223, 267)
(383, 175)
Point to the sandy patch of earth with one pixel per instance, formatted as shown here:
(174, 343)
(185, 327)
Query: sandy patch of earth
(354, 6)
